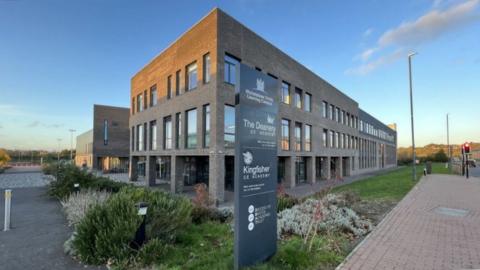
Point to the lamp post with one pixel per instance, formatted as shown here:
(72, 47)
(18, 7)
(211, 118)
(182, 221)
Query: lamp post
(414, 158)
(71, 144)
(448, 148)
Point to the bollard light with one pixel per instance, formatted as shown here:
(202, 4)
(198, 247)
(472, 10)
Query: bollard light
(140, 233)
(8, 205)
(76, 187)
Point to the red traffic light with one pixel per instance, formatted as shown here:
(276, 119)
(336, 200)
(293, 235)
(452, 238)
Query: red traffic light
(466, 148)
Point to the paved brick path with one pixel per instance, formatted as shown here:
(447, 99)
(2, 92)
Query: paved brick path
(415, 236)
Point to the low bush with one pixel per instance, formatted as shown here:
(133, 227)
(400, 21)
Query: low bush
(152, 252)
(106, 232)
(201, 214)
(77, 204)
(285, 202)
(68, 174)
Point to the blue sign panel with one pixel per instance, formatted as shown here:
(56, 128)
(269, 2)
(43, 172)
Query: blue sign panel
(256, 126)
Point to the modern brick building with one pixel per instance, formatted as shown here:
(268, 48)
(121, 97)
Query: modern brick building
(182, 120)
(106, 146)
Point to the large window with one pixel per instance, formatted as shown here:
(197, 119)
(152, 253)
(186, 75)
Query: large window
(167, 132)
(330, 138)
(140, 136)
(139, 103)
(178, 129)
(298, 136)
(230, 69)
(153, 135)
(105, 132)
(132, 146)
(191, 76)
(145, 103)
(342, 140)
(336, 139)
(337, 114)
(206, 68)
(298, 98)
(285, 134)
(178, 75)
(330, 112)
(153, 95)
(169, 87)
(206, 125)
(324, 138)
(285, 93)
(229, 128)
(342, 117)
(191, 120)
(324, 109)
(308, 102)
(308, 138)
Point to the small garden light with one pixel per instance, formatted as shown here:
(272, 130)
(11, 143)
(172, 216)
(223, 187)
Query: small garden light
(140, 234)
(76, 187)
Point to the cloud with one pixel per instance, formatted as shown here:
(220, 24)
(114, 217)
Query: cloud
(410, 34)
(38, 123)
(367, 32)
(372, 65)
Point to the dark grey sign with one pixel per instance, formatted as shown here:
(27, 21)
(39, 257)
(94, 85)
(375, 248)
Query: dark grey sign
(255, 167)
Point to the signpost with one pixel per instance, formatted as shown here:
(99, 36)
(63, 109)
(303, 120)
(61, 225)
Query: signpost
(255, 167)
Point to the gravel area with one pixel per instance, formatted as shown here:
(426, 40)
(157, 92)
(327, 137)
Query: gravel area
(23, 178)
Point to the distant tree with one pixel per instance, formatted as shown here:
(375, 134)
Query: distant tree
(4, 157)
(440, 156)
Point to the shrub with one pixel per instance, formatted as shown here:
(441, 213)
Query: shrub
(285, 202)
(107, 230)
(68, 174)
(298, 219)
(151, 252)
(202, 214)
(77, 204)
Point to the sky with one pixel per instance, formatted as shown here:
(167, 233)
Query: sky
(58, 58)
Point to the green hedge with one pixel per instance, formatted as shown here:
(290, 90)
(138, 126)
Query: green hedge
(67, 175)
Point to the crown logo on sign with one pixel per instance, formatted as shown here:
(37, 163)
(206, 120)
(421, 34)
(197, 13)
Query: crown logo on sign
(270, 119)
(260, 85)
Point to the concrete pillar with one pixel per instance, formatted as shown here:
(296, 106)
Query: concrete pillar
(290, 172)
(176, 174)
(311, 170)
(326, 165)
(216, 177)
(150, 167)
(133, 169)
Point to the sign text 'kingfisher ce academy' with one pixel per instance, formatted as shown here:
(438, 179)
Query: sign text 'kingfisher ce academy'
(256, 167)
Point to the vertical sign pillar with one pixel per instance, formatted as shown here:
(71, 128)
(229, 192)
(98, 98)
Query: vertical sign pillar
(255, 167)
(8, 204)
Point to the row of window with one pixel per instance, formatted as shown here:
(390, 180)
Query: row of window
(139, 103)
(333, 139)
(367, 154)
(139, 132)
(338, 115)
(370, 129)
(303, 136)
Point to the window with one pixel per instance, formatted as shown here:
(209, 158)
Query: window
(206, 68)
(167, 132)
(337, 114)
(105, 132)
(139, 103)
(191, 76)
(178, 75)
(330, 112)
(330, 138)
(298, 98)
(229, 126)
(351, 120)
(347, 119)
(324, 109)
(336, 139)
(169, 87)
(191, 120)
(342, 117)
(342, 141)
(178, 129)
(324, 138)
(308, 102)
(285, 93)
(153, 135)
(133, 105)
(145, 104)
(230, 69)
(140, 137)
(308, 138)
(298, 136)
(206, 125)
(285, 134)
(153, 95)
